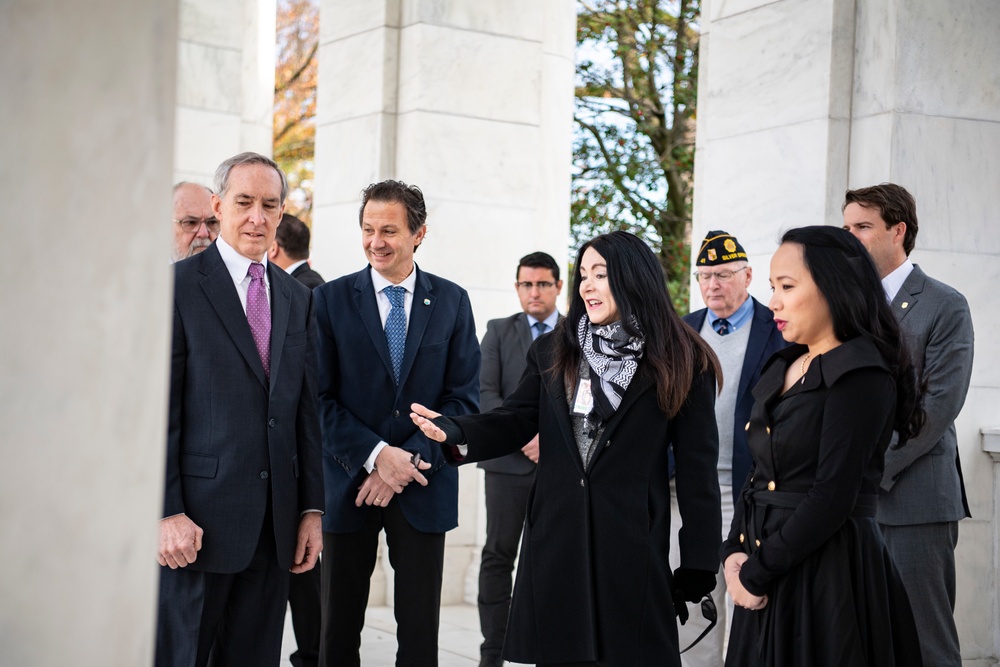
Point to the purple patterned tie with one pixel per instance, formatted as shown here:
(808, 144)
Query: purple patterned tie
(259, 315)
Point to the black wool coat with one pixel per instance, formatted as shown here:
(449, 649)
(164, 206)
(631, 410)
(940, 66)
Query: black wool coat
(594, 583)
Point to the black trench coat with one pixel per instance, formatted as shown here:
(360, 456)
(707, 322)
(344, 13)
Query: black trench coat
(594, 585)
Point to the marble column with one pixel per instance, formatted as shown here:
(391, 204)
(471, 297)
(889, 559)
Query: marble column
(472, 102)
(87, 138)
(225, 83)
(802, 99)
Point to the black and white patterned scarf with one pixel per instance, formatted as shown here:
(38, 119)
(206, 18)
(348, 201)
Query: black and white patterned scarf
(613, 356)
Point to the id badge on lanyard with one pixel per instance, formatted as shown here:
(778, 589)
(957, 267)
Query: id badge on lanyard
(583, 402)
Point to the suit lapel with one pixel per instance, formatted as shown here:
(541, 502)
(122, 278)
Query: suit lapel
(218, 286)
(909, 294)
(281, 304)
(364, 299)
(420, 314)
(524, 338)
(755, 345)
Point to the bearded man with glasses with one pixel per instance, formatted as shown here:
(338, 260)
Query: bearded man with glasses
(195, 226)
(742, 334)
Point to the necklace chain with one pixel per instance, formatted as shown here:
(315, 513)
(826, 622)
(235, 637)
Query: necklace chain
(802, 367)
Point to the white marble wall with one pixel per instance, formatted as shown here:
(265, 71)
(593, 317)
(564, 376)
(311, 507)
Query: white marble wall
(473, 103)
(225, 83)
(87, 138)
(801, 99)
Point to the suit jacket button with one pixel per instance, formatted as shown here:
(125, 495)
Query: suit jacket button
(395, 413)
(263, 474)
(272, 423)
(582, 483)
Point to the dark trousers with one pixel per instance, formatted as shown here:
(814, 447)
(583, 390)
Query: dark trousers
(224, 620)
(924, 554)
(348, 562)
(304, 599)
(506, 504)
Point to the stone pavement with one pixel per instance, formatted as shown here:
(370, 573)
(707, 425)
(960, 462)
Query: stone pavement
(458, 640)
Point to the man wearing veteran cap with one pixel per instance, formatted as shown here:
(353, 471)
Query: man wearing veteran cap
(742, 334)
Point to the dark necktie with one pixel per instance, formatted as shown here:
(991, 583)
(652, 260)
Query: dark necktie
(395, 327)
(538, 328)
(722, 326)
(259, 315)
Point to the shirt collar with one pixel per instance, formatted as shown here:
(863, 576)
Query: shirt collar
(893, 282)
(551, 321)
(380, 282)
(291, 267)
(737, 319)
(237, 264)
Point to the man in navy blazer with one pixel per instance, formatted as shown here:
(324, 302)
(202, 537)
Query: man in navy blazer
(922, 498)
(389, 335)
(742, 334)
(244, 491)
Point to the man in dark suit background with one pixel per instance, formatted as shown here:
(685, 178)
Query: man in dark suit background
(290, 251)
(244, 492)
(389, 335)
(508, 479)
(742, 334)
(922, 498)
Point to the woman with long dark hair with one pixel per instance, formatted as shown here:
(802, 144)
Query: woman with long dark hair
(805, 563)
(608, 391)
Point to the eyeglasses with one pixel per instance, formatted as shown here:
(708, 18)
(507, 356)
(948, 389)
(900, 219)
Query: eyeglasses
(711, 615)
(721, 276)
(542, 285)
(192, 224)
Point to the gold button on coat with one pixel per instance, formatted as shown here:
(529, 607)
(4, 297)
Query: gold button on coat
(770, 486)
(769, 430)
(758, 542)
(742, 538)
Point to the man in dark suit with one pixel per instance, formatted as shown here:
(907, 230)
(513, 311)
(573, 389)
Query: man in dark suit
(922, 498)
(244, 492)
(508, 479)
(290, 251)
(389, 335)
(742, 334)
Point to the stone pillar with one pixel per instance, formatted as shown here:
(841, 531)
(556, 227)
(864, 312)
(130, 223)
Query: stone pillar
(225, 83)
(472, 102)
(87, 138)
(801, 99)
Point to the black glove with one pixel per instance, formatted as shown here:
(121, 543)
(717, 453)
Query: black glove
(453, 433)
(692, 585)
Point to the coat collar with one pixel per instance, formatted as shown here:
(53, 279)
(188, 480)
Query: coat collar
(826, 369)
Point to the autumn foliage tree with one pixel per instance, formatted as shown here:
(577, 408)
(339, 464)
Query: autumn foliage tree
(295, 99)
(637, 68)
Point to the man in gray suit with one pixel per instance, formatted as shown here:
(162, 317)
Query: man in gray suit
(922, 497)
(508, 479)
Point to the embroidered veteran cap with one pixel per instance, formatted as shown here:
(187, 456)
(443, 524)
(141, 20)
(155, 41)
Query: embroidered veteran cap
(718, 248)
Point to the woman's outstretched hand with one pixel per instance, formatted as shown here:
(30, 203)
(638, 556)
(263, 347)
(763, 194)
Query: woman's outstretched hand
(422, 417)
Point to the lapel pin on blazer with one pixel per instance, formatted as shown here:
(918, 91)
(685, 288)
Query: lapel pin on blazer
(427, 302)
(904, 304)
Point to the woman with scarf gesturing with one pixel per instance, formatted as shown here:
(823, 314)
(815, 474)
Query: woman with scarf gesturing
(618, 382)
